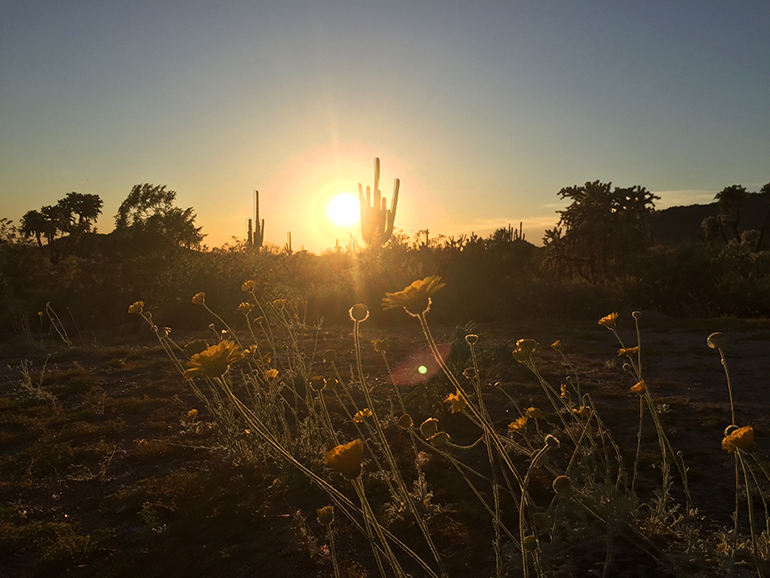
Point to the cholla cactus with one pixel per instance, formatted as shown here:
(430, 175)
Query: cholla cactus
(376, 220)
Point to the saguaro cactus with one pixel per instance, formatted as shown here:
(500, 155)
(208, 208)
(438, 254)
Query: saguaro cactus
(376, 219)
(258, 236)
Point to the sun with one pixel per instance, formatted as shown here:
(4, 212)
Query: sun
(343, 209)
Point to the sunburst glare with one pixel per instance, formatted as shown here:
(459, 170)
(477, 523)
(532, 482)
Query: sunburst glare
(343, 209)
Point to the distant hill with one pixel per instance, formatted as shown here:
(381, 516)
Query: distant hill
(677, 225)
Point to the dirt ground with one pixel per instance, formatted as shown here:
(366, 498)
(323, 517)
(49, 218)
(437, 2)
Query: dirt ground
(101, 474)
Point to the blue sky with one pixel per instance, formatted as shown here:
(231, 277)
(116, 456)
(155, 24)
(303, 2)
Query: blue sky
(484, 110)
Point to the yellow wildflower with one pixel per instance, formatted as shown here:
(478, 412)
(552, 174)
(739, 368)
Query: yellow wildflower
(741, 438)
(534, 413)
(199, 298)
(279, 303)
(346, 459)
(519, 425)
(271, 373)
(639, 387)
(609, 320)
(415, 298)
(564, 391)
(214, 361)
(584, 411)
(245, 307)
(136, 307)
(191, 416)
(247, 286)
(361, 415)
(457, 402)
(628, 350)
(556, 345)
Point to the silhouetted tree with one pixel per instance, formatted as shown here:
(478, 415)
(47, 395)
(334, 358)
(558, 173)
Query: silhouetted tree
(149, 220)
(62, 224)
(731, 200)
(600, 230)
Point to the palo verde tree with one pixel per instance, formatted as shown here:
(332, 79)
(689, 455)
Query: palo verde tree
(149, 221)
(62, 224)
(600, 232)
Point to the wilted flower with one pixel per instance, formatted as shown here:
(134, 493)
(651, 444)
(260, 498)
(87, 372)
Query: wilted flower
(405, 421)
(628, 350)
(552, 441)
(542, 520)
(534, 413)
(741, 438)
(199, 298)
(331, 383)
(279, 303)
(190, 416)
(530, 543)
(469, 372)
(245, 307)
(564, 391)
(359, 312)
(325, 514)
(429, 427)
(248, 286)
(519, 425)
(381, 345)
(562, 486)
(361, 415)
(271, 373)
(639, 387)
(636, 314)
(457, 402)
(214, 361)
(415, 298)
(346, 459)
(526, 345)
(258, 320)
(136, 307)
(330, 355)
(717, 340)
(317, 383)
(439, 439)
(556, 345)
(609, 320)
(471, 338)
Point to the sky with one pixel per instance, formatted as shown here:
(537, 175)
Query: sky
(484, 110)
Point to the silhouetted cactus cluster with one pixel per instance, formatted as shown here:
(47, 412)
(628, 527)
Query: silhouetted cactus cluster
(256, 237)
(376, 220)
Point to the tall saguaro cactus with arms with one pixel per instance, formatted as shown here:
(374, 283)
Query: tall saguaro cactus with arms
(376, 219)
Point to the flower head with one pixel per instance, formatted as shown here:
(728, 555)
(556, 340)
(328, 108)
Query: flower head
(199, 298)
(362, 415)
(439, 439)
(534, 413)
(405, 421)
(429, 427)
(346, 459)
(317, 382)
(247, 286)
(524, 348)
(195, 346)
(330, 355)
(741, 439)
(564, 390)
(639, 387)
(359, 312)
(381, 345)
(584, 411)
(519, 425)
(136, 307)
(245, 307)
(562, 485)
(415, 298)
(325, 515)
(628, 350)
(279, 303)
(717, 340)
(471, 338)
(214, 361)
(457, 402)
(609, 320)
(556, 345)
(271, 373)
